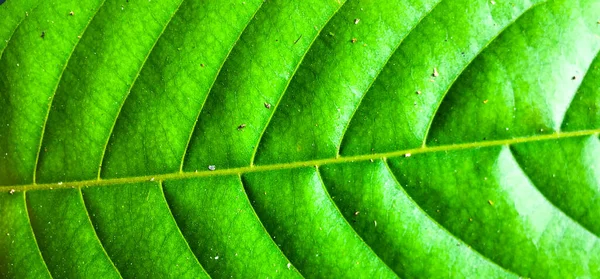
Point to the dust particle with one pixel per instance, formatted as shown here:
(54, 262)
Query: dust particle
(435, 73)
(202, 65)
(356, 21)
(267, 105)
(12, 191)
(241, 127)
(43, 34)
(212, 167)
(418, 92)
(485, 101)
(289, 265)
(71, 13)
(491, 202)
(354, 40)
(407, 155)
(356, 213)
(574, 78)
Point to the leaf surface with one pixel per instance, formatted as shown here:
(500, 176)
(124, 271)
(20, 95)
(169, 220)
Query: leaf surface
(357, 138)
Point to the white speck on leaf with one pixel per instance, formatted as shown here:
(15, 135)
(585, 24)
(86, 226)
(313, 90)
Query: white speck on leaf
(212, 167)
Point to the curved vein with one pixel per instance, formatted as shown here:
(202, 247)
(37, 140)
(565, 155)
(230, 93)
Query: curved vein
(162, 194)
(441, 100)
(343, 135)
(339, 212)
(556, 207)
(276, 105)
(131, 86)
(87, 214)
(15, 30)
(62, 71)
(33, 234)
(440, 226)
(187, 145)
(261, 224)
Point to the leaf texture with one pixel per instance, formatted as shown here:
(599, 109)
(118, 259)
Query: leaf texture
(318, 139)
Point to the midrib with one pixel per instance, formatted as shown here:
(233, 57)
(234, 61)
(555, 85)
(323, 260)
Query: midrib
(282, 166)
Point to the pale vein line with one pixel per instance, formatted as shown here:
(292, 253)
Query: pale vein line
(275, 106)
(566, 215)
(33, 234)
(577, 91)
(356, 107)
(164, 198)
(249, 204)
(300, 164)
(348, 226)
(17, 27)
(187, 145)
(459, 74)
(37, 156)
(95, 233)
(436, 223)
(131, 87)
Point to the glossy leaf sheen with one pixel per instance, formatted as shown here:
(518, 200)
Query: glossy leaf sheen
(319, 139)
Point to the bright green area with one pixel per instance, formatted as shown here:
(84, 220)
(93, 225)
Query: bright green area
(101, 72)
(584, 112)
(277, 138)
(254, 78)
(222, 229)
(397, 111)
(154, 126)
(307, 226)
(136, 228)
(523, 84)
(340, 67)
(394, 226)
(567, 173)
(66, 237)
(12, 14)
(20, 257)
(484, 198)
(31, 68)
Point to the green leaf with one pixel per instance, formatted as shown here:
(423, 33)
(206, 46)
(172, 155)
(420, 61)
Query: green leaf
(316, 138)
